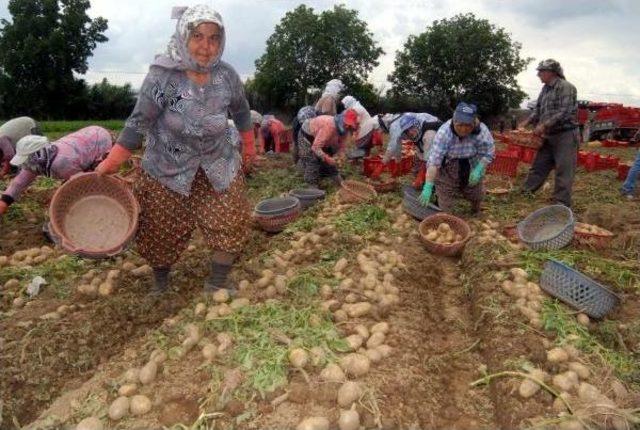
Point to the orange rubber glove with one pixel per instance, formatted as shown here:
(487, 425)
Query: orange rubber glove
(248, 149)
(420, 177)
(118, 155)
(3, 207)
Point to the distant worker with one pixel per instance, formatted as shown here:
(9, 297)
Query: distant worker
(256, 120)
(368, 133)
(77, 152)
(457, 160)
(327, 104)
(420, 129)
(501, 125)
(629, 186)
(271, 131)
(322, 142)
(514, 122)
(555, 121)
(10, 133)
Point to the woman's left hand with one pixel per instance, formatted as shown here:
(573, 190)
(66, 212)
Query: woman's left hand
(3, 207)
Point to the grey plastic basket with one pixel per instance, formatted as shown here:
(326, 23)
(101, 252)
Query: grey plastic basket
(577, 290)
(277, 206)
(307, 196)
(548, 228)
(412, 206)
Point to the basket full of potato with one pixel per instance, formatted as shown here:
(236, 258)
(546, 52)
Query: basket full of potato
(444, 234)
(592, 236)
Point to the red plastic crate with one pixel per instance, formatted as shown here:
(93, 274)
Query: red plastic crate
(592, 161)
(528, 155)
(582, 157)
(505, 163)
(623, 171)
(373, 163)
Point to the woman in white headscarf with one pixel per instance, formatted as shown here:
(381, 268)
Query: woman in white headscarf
(327, 104)
(192, 162)
(368, 133)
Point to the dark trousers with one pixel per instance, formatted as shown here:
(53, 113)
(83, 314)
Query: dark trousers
(559, 152)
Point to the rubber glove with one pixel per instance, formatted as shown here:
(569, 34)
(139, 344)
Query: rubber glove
(377, 171)
(420, 177)
(3, 207)
(427, 191)
(476, 174)
(118, 155)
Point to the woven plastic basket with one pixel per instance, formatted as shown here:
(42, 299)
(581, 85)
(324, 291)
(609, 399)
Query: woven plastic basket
(94, 216)
(548, 228)
(412, 206)
(459, 226)
(356, 192)
(577, 290)
(307, 196)
(274, 214)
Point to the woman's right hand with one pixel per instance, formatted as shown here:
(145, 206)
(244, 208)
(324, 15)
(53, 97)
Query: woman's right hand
(3, 207)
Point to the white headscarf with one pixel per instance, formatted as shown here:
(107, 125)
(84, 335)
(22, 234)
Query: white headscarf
(177, 55)
(366, 125)
(333, 88)
(27, 146)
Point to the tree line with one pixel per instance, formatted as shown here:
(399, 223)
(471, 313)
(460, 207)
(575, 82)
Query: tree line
(46, 45)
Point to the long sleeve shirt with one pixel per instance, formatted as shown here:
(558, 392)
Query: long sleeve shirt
(477, 146)
(323, 129)
(77, 152)
(186, 127)
(557, 107)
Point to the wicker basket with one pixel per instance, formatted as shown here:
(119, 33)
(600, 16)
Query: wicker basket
(307, 196)
(592, 240)
(356, 192)
(412, 206)
(94, 216)
(459, 226)
(577, 290)
(274, 214)
(548, 228)
(384, 186)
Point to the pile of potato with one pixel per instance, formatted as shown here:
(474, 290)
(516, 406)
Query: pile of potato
(591, 229)
(528, 295)
(27, 257)
(444, 234)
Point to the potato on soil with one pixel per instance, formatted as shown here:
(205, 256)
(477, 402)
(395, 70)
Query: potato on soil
(128, 390)
(557, 355)
(313, 423)
(298, 357)
(361, 330)
(348, 393)
(381, 327)
(375, 340)
(332, 373)
(139, 405)
(91, 423)
(209, 352)
(119, 408)
(357, 310)
(354, 341)
(349, 420)
(148, 373)
(355, 364)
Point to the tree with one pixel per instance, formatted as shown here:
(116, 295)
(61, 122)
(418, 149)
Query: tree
(108, 101)
(460, 59)
(40, 50)
(307, 49)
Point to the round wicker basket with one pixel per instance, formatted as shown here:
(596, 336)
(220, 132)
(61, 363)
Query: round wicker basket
(459, 226)
(356, 192)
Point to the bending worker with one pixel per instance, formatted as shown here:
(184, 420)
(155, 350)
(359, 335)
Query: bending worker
(457, 160)
(270, 134)
(10, 133)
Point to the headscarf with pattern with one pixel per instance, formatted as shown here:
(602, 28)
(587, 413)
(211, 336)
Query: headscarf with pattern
(177, 56)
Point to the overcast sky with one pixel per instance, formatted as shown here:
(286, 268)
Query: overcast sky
(597, 42)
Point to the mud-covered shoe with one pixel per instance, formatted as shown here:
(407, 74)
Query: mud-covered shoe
(217, 280)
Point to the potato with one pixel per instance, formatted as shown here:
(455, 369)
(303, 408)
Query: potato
(221, 295)
(557, 355)
(340, 316)
(209, 352)
(570, 424)
(243, 285)
(119, 408)
(91, 423)
(263, 282)
(444, 228)
(113, 274)
(432, 235)
(139, 405)
(385, 350)
(270, 292)
(370, 281)
(565, 381)
(200, 309)
(517, 272)
(354, 341)
(330, 305)
(148, 372)
(128, 266)
(106, 288)
(88, 290)
(225, 341)
(340, 265)
(357, 310)
(18, 302)
(318, 356)
(349, 420)
(144, 270)
(50, 316)
(132, 375)
(128, 390)
(313, 423)
(381, 327)
(332, 373)
(375, 340)
(373, 355)
(355, 364)
(239, 303)
(298, 357)
(580, 369)
(280, 283)
(583, 319)
(348, 393)
(362, 330)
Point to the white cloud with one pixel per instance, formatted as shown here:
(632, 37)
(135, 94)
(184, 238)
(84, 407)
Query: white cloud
(593, 39)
